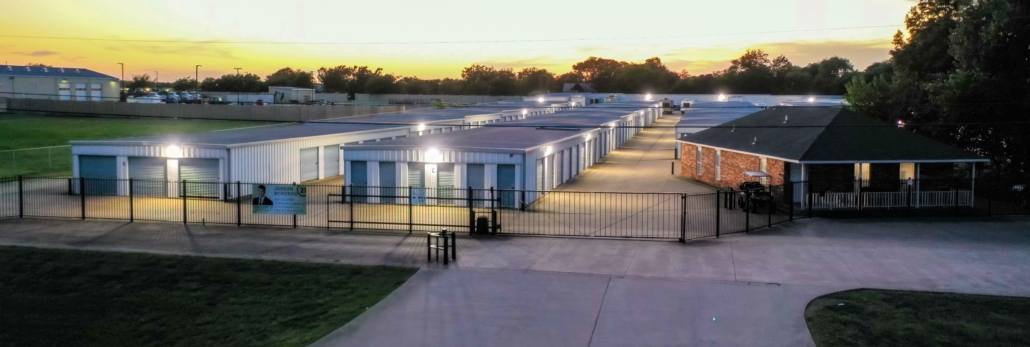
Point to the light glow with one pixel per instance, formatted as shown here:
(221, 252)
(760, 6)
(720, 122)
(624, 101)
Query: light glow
(547, 150)
(433, 155)
(173, 151)
(647, 97)
(722, 97)
(540, 99)
(421, 127)
(588, 137)
(525, 112)
(811, 99)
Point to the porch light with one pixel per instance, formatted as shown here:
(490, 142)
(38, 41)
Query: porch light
(173, 151)
(433, 155)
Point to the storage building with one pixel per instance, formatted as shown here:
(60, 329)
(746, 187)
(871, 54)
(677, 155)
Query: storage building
(56, 83)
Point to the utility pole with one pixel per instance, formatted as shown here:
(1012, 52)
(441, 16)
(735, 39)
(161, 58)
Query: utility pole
(239, 85)
(121, 89)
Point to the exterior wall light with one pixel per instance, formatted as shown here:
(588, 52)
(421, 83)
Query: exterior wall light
(421, 127)
(811, 99)
(433, 155)
(588, 137)
(173, 151)
(540, 99)
(548, 150)
(525, 112)
(722, 97)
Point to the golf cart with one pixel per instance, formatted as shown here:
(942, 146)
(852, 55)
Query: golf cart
(753, 194)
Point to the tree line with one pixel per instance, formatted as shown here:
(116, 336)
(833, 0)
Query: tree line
(962, 69)
(753, 73)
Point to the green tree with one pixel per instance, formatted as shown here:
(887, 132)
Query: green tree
(336, 79)
(140, 82)
(287, 77)
(532, 81)
(184, 84)
(599, 72)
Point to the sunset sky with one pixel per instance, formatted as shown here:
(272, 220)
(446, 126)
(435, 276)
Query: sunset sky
(435, 39)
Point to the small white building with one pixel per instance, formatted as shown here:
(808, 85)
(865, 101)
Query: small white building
(57, 83)
(291, 95)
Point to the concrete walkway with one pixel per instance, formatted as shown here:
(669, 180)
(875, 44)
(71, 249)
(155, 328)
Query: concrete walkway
(646, 158)
(513, 291)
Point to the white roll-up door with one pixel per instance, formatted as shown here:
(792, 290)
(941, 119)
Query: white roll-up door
(201, 176)
(445, 183)
(149, 176)
(64, 91)
(101, 174)
(96, 93)
(309, 164)
(416, 177)
(540, 170)
(80, 92)
(331, 161)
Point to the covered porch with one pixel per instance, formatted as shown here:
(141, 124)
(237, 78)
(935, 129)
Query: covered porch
(850, 186)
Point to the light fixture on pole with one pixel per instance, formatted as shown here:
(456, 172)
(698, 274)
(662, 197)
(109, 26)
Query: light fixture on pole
(122, 87)
(196, 78)
(238, 85)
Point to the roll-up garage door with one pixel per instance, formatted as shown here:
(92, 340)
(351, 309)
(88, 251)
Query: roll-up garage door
(201, 176)
(476, 178)
(101, 174)
(359, 180)
(149, 176)
(541, 169)
(309, 164)
(388, 181)
(506, 185)
(331, 161)
(445, 183)
(416, 177)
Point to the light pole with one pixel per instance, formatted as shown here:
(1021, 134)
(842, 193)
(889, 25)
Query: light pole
(196, 79)
(121, 88)
(157, 76)
(239, 85)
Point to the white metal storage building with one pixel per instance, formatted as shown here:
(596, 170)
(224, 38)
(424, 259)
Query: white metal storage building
(56, 83)
(535, 154)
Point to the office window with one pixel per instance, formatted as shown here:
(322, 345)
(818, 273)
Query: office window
(699, 167)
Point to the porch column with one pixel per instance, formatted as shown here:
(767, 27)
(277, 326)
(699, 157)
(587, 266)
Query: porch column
(918, 179)
(972, 188)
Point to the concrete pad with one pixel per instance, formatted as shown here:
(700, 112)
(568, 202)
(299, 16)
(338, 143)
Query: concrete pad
(507, 252)
(797, 264)
(702, 260)
(639, 312)
(604, 257)
(479, 308)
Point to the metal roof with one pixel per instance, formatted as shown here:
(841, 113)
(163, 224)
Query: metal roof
(486, 138)
(57, 72)
(236, 137)
(825, 135)
(703, 115)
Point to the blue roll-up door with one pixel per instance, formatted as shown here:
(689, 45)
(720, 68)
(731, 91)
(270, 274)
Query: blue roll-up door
(359, 180)
(100, 173)
(506, 185)
(201, 176)
(476, 176)
(416, 177)
(388, 181)
(149, 176)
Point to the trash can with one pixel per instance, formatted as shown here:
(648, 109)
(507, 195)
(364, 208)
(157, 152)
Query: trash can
(482, 225)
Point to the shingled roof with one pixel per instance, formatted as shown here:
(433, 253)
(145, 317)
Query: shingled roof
(826, 135)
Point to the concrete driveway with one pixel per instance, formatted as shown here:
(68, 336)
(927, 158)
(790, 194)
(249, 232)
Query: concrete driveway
(740, 290)
(642, 164)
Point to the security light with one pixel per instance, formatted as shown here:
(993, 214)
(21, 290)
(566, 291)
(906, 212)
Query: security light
(433, 155)
(421, 127)
(173, 151)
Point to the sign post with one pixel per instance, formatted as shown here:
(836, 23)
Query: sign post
(279, 199)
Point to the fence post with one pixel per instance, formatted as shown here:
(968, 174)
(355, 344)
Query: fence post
(808, 197)
(239, 206)
(472, 211)
(295, 215)
(522, 200)
(183, 194)
(859, 196)
(747, 213)
(790, 193)
(683, 218)
(493, 211)
(908, 198)
(82, 196)
(350, 204)
(411, 214)
(718, 213)
(771, 206)
(21, 198)
(132, 216)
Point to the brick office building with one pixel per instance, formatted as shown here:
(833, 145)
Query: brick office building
(827, 148)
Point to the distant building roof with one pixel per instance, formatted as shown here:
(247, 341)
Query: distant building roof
(826, 135)
(578, 87)
(59, 72)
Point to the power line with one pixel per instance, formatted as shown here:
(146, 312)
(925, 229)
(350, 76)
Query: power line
(208, 42)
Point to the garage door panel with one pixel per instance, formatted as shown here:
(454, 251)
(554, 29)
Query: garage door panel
(149, 176)
(201, 176)
(309, 164)
(331, 161)
(100, 174)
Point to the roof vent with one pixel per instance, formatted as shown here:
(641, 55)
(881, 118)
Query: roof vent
(755, 141)
(9, 68)
(76, 70)
(28, 69)
(45, 70)
(62, 70)
(734, 128)
(785, 119)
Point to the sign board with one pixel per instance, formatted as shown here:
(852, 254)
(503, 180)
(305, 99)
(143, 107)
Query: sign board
(279, 199)
(418, 196)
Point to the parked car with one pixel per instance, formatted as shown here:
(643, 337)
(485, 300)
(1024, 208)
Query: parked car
(170, 97)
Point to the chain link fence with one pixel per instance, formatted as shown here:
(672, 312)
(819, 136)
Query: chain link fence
(40, 161)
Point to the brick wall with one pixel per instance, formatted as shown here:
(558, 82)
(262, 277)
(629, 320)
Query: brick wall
(733, 166)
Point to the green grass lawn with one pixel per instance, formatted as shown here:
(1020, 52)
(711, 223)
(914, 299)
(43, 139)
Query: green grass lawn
(868, 317)
(77, 298)
(31, 131)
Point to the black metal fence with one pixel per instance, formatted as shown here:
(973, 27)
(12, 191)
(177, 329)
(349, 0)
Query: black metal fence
(673, 216)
